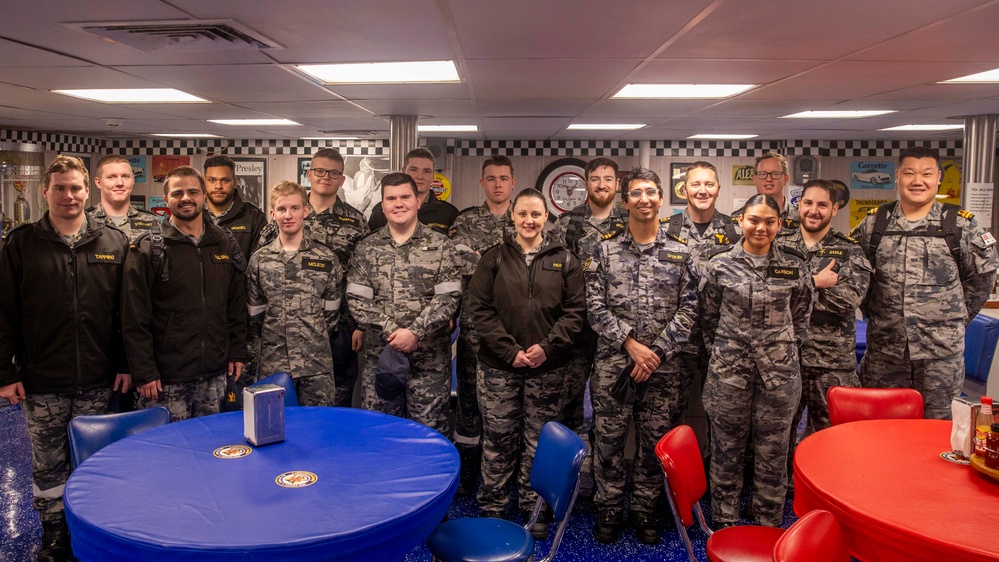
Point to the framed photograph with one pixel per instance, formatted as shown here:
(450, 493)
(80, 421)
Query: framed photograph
(251, 179)
(678, 174)
(303, 172)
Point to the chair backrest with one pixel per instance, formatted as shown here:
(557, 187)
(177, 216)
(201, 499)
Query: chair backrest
(284, 381)
(89, 434)
(555, 472)
(816, 537)
(680, 456)
(848, 404)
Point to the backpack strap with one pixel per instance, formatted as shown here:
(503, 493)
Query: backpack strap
(881, 218)
(157, 254)
(574, 231)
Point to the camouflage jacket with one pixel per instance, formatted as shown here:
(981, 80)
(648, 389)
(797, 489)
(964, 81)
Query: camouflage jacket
(593, 230)
(832, 329)
(917, 299)
(414, 285)
(721, 232)
(136, 224)
(759, 312)
(294, 303)
(647, 294)
(474, 231)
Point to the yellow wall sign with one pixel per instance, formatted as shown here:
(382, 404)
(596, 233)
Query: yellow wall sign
(950, 184)
(743, 175)
(860, 207)
(441, 187)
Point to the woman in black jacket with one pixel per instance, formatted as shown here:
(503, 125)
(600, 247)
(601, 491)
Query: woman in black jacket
(528, 305)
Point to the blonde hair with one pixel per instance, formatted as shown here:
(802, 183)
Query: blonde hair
(285, 188)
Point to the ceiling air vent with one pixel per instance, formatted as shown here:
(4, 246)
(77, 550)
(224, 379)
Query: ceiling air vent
(179, 35)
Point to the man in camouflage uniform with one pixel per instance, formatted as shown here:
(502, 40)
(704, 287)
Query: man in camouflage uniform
(114, 180)
(60, 335)
(924, 292)
(642, 303)
(184, 306)
(581, 229)
(294, 289)
(435, 213)
(770, 178)
(841, 275)
(703, 229)
(403, 288)
(474, 231)
(338, 226)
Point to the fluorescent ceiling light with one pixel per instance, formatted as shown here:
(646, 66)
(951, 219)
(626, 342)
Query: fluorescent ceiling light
(924, 128)
(330, 138)
(257, 122)
(447, 128)
(722, 136)
(842, 114)
(383, 72)
(681, 91)
(188, 135)
(605, 126)
(987, 77)
(134, 95)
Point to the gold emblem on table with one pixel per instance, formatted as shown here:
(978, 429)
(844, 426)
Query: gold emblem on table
(296, 479)
(232, 451)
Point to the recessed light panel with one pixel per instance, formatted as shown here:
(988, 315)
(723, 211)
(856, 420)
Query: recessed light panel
(253, 122)
(837, 114)
(187, 135)
(605, 126)
(722, 136)
(383, 72)
(681, 91)
(447, 128)
(924, 128)
(134, 95)
(987, 77)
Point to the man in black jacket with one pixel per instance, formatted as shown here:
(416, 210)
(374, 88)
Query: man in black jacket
(184, 306)
(226, 207)
(438, 215)
(60, 336)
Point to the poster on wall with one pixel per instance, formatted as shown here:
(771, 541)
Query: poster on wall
(859, 208)
(361, 187)
(869, 174)
(161, 166)
(950, 184)
(139, 169)
(742, 174)
(980, 201)
(157, 206)
(678, 174)
(303, 172)
(441, 187)
(251, 179)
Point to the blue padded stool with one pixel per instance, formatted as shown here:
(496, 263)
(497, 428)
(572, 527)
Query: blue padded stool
(554, 476)
(284, 381)
(89, 434)
(980, 339)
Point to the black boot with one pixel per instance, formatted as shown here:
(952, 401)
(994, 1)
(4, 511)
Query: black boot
(471, 463)
(55, 542)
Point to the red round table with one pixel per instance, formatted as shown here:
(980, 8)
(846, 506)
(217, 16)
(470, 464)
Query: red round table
(895, 498)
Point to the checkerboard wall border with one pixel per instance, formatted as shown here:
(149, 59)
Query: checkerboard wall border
(380, 147)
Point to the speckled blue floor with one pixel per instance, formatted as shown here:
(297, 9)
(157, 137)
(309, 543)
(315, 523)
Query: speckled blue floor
(20, 530)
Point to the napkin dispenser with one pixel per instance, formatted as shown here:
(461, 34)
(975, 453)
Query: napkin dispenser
(263, 414)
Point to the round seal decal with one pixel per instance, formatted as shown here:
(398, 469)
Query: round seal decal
(296, 479)
(232, 452)
(563, 184)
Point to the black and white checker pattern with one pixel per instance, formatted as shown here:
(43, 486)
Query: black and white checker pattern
(546, 148)
(247, 147)
(53, 141)
(714, 148)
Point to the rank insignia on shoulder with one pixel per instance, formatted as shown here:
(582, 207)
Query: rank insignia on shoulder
(677, 238)
(590, 265)
(721, 238)
(873, 211)
(966, 214)
(988, 239)
(665, 220)
(783, 272)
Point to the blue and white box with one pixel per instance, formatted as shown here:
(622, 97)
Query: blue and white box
(263, 414)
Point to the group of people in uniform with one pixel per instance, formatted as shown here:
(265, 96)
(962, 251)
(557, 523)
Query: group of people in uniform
(756, 309)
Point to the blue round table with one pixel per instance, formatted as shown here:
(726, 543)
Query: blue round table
(381, 486)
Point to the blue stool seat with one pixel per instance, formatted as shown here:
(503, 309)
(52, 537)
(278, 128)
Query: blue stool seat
(478, 539)
(980, 339)
(285, 381)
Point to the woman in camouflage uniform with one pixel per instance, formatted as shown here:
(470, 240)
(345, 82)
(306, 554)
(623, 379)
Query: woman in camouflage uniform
(756, 299)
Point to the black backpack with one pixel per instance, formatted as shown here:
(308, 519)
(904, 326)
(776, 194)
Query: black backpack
(948, 230)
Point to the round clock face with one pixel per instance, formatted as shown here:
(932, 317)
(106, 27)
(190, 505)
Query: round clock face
(563, 184)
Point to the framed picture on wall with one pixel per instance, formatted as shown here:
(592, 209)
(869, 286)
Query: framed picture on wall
(303, 172)
(678, 174)
(251, 179)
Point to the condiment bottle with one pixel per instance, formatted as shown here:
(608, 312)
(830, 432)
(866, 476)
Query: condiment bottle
(992, 448)
(983, 425)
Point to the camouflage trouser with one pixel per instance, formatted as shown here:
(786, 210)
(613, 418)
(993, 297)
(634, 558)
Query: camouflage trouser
(468, 418)
(574, 386)
(428, 389)
(514, 408)
(938, 380)
(48, 417)
(652, 417)
(315, 390)
(694, 367)
(190, 399)
(733, 413)
(815, 383)
(344, 368)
